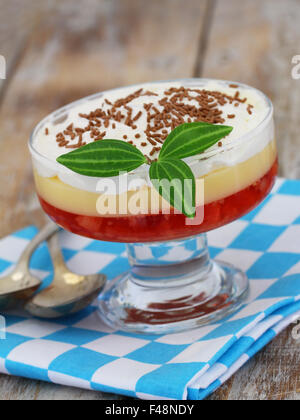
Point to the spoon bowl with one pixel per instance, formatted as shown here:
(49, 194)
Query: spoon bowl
(20, 284)
(68, 293)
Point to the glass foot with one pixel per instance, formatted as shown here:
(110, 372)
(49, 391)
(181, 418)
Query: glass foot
(172, 287)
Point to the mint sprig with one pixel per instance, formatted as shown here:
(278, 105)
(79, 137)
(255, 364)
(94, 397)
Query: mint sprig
(106, 158)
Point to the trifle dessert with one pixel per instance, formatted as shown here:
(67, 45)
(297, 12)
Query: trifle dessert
(218, 135)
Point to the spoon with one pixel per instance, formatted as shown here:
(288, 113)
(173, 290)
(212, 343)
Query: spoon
(20, 284)
(68, 293)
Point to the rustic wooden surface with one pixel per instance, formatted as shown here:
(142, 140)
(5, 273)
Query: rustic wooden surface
(61, 50)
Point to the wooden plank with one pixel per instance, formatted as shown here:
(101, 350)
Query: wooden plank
(78, 48)
(17, 21)
(253, 41)
(14, 37)
(13, 388)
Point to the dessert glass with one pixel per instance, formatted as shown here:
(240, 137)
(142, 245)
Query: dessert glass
(173, 284)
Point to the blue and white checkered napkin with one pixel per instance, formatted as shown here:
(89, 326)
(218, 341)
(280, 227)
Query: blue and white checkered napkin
(82, 352)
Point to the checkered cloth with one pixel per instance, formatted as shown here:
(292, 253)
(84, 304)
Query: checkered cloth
(80, 351)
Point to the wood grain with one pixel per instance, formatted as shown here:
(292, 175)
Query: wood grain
(73, 49)
(13, 388)
(253, 41)
(14, 37)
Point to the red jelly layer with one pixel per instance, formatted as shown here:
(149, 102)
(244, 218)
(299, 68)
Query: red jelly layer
(161, 227)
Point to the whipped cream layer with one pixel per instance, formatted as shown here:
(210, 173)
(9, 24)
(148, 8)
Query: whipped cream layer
(238, 146)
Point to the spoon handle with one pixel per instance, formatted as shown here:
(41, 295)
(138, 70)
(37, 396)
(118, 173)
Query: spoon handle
(56, 255)
(42, 236)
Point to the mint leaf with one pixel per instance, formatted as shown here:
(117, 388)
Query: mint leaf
(191, 139)
(103, 158)
(175, 182)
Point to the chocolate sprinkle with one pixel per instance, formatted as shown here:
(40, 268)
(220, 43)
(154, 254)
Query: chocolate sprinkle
(176, 107)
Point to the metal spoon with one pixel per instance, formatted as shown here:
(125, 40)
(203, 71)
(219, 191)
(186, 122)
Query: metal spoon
(68, 293)
(20, 284)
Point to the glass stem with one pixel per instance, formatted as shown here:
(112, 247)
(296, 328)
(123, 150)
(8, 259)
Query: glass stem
(171, 263)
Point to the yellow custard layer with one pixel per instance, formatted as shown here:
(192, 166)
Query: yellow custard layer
(217, 184)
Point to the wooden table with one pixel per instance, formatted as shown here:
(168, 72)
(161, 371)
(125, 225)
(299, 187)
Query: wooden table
(58, 51)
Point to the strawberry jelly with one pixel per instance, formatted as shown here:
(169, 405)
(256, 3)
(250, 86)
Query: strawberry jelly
(161, 227)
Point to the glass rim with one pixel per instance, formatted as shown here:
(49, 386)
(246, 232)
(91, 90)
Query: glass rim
(185, 81)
